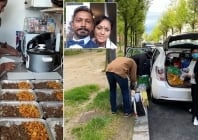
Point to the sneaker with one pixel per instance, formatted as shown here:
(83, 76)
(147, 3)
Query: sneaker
(195, 122)
(126, 115)
(113, 112)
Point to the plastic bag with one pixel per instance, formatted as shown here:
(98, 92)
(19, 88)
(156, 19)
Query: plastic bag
(138, 106)
(143, 80)
(173, 70)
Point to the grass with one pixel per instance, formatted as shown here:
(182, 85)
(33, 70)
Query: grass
(68, 52)
(101, 101)
(94, 129)
(102, 126)
(79, 95)
(100, 50)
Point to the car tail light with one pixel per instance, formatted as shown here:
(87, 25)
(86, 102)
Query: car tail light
(160, 73)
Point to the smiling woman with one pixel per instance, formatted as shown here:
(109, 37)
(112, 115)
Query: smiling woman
(102, 31)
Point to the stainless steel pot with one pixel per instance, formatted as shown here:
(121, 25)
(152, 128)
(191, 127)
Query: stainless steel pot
(40, 59)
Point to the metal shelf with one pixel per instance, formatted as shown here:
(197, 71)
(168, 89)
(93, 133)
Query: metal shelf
(53, 13)
(53, 10)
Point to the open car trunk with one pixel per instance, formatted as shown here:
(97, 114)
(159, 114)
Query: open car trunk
(177, 68)
(178, 58)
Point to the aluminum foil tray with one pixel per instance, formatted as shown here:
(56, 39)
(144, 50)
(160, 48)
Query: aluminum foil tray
(16, 109)
(47, 84)
(49, 95)
(17, 95)
(56, 127)
(52, 109)
(18, 128)
(16, 84)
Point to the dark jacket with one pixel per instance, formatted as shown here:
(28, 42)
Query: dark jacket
(143, 64)
(196, 72)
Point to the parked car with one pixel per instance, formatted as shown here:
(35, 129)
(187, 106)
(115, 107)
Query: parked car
(130, 51)
(170, 67)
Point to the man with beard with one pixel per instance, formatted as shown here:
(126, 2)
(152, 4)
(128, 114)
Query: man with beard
(82, 25)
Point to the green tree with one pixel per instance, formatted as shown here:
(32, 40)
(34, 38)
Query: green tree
(120, 29)
(168, 21)
(85, 1)
(155, 34)
(192, 13)
(125, 9)
(171, 18)
(181, 14)
(132, 12)
(137, 23)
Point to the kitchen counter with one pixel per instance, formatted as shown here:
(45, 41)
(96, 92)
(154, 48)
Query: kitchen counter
(20, 67)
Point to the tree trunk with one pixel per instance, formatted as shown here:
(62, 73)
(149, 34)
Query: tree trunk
(172, 30)
(125, 35)
(110, 55)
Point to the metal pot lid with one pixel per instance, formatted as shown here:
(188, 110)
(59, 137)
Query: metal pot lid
(40, 49)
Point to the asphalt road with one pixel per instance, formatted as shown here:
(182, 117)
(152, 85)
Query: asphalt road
(171, 121)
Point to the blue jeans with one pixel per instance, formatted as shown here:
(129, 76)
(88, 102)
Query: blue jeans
(113, 79)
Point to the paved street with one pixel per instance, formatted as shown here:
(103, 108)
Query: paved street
(171, 121)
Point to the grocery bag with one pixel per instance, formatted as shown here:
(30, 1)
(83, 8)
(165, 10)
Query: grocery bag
(138, 106)
(143, 80)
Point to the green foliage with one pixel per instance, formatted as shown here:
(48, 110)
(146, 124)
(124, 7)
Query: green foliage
(85, 1)
(69, 52)
(132, 13)
(192, 13)
(101, 101)
(79, 95)
(179, 13)
(120, 53)
(155, 34)
(94, 129)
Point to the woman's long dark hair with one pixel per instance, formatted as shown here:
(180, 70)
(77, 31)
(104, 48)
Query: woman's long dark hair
(99, 19)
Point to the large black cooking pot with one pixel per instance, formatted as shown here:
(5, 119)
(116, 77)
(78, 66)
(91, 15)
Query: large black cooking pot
(40, 59)
(59, 3)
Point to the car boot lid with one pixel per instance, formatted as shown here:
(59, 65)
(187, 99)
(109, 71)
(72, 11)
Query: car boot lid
(185, 41)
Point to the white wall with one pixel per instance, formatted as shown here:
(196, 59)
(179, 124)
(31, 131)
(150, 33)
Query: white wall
(12, 20)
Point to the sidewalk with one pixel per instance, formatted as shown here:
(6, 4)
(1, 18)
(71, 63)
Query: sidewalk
(141, 128)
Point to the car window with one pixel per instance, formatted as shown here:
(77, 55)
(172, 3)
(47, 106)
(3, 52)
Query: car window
(183, 41)
(131, 51)
(156, 53)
